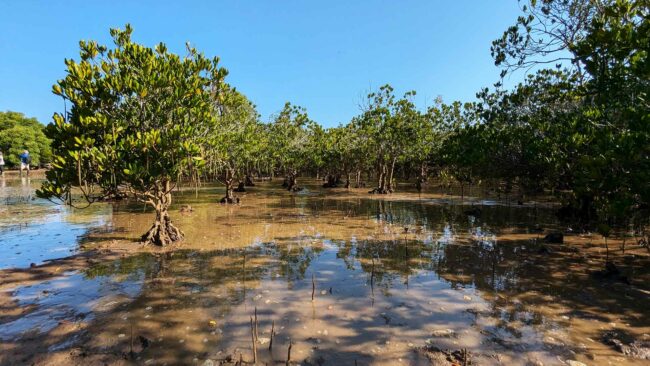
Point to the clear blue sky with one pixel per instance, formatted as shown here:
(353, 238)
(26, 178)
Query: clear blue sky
(322, 55)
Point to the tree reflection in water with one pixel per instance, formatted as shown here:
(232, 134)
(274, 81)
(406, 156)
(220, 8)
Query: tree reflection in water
(384, 271)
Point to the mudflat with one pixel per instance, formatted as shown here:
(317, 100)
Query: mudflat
(342, 276)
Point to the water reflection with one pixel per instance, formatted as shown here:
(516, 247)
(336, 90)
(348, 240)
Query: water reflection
(389, 276)
(34, 230)
(72, 297)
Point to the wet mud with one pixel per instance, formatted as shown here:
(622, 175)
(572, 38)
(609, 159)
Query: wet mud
(341, 276)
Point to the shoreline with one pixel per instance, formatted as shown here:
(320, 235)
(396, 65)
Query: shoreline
(15, 173)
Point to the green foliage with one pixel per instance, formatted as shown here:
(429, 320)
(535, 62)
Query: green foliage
(234, 140)
(584, 131)
(517, 136)
(581, 132)
(544, 34)
(388, 126)
(342, 150)
(143, 118)
(616, 114)
(18, 133)
(290, 139)
(135, 123)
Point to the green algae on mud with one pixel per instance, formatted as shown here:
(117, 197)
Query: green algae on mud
(392, 275)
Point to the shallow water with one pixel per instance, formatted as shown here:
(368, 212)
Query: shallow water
(73, 296)
(51, 231)
(391, 275)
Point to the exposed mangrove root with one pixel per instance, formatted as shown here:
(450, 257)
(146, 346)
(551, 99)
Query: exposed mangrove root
(254, 341)
(272, 334)
(635, 348)
(240, 187)
(333, 181)
(162, 232)
(439, 356)
(290, 183)
(418, 184)
(554, 238)
(256, 334)
(248, 181)
(381, 191)
(229, 200)
(289, 354)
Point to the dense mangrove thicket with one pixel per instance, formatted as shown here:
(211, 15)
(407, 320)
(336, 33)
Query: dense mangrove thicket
(142, 120)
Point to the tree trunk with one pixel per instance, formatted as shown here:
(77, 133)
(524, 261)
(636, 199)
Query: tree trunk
(162, 232)
(381, 184)
(249, 181)
(241, 187)
(358, 179)
(292, 182)
(332, 181)
(229, 197)
(422, 177)
(389, 186)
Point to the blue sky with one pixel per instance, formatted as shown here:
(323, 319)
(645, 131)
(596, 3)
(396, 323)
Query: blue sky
(322, 55)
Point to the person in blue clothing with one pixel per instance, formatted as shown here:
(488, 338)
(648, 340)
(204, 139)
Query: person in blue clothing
(24, 162)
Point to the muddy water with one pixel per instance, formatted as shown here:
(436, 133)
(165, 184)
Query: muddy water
(343, 276)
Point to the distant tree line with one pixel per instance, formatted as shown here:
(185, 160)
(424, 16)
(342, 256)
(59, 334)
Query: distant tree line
(143, 119)
(18, 133)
